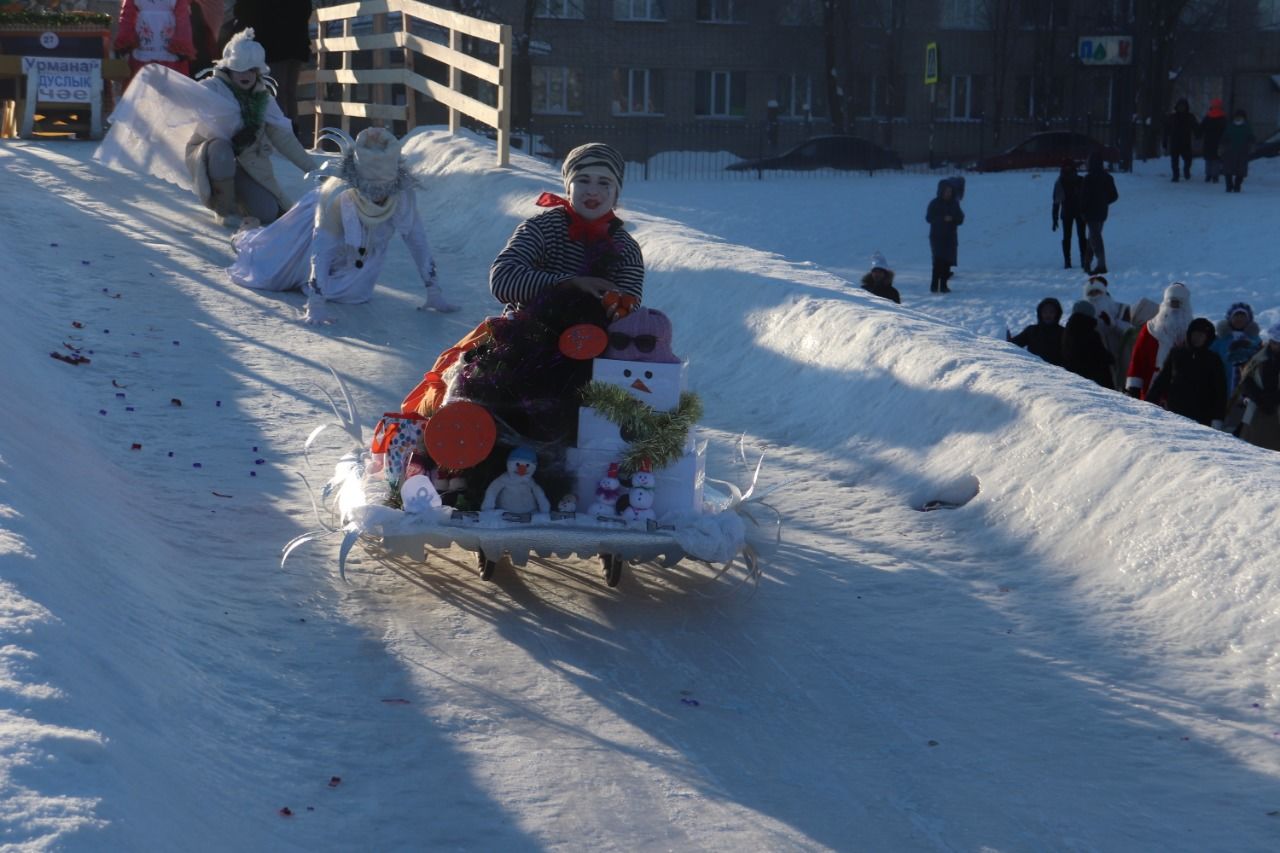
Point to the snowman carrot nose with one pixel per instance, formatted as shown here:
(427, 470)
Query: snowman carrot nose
(640, 386)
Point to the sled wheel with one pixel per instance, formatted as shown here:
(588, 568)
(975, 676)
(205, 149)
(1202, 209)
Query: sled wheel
(611, 564)
(486, 566)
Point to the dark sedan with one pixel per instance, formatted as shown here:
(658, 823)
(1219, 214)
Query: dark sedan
(1047, 150)
(826, 152)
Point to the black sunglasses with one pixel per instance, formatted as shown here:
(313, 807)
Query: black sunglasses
(644, 343)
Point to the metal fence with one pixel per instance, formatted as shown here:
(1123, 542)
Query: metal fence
(703, 150)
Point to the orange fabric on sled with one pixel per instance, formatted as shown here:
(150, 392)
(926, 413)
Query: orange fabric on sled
(427, 396)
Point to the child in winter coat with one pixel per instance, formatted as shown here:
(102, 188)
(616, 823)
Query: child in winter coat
(232, 172)
(1045, 337)
(879, 280)
(1237, 145)
(1260, 388)
(1192, 382)
(578, 242)
(333, 243)
(1066, 207)
(1082, 350)
(156, 31)
(944, 217)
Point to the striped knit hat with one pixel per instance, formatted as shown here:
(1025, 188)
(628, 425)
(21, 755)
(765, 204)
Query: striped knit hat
(593, 154)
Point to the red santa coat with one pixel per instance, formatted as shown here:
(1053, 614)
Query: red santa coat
(1145, 362)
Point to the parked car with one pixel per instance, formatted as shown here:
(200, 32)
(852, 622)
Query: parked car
(1047, 150)
(826, 152)
(1270, 147)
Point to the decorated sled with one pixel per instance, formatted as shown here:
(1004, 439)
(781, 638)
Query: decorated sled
(611, 470)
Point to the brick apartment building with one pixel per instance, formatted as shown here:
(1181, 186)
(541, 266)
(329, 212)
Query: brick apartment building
(657, 73)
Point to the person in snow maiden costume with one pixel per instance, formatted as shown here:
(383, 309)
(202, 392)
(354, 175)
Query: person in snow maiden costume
(232, 172)
(1157, 338)
(156, 31)
(1179, 127)
(1097, 194)
(1044, 338)
(1082, 350)
(1237, 145)
(944, 217)
(1238, 340)
(578, 242)
(1191, 382)
(879, 280)
(1260, 389)
(333, 243)
(1066, 208)
(1211, 128)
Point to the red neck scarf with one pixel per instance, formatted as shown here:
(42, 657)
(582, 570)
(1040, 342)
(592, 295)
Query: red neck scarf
(581, 230)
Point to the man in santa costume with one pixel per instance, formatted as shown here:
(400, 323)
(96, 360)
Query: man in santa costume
(1157, 337)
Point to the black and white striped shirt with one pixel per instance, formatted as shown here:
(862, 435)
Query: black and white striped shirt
(541, 255)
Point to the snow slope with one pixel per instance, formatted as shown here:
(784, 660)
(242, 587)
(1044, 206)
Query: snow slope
(1083, 657)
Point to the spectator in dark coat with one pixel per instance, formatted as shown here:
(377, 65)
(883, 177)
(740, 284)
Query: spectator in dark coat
(1097, 194)
(283, 28)
(1193, 382)
(879, 280)
(1045, 337)
(1066, 208)
(944, 217)
(1179, 127)
(1260, 387)
(1211, 128)
(1237, 145)
(1083, 352)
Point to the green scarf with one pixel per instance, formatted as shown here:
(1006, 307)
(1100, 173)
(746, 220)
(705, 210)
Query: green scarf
(253, 110)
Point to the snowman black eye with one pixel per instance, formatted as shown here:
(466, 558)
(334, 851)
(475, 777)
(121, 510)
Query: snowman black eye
(627, 373)
(648, 374)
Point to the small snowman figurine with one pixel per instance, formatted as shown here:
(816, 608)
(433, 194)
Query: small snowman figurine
(639, 501)
(515, 491)
(608, 490)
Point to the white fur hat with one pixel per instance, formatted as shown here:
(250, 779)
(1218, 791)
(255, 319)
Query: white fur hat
(377, 155)
(242, 53)
(1273, 333)
(878, 262)
(1177, 291)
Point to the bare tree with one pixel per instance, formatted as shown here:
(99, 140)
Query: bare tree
(1002, 18)
(836, 26)
(1156, 22)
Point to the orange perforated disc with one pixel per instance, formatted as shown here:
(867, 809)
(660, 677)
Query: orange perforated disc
(583, 341)
(460, 435)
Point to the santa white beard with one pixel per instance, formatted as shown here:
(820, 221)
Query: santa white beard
(1169, 327)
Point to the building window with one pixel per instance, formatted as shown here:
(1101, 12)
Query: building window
(722, 11)
(639, 10)
(1038, 97)
(556, 90)
(964, 14)
(1115, 13)
(966, 97)
(1269, 14)
(873, 97)
(800, 13)
(558, 9)
(721, 94)
(799, 96)
(637, 91)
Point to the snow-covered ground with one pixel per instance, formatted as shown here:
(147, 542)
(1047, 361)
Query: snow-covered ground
(1085, 657)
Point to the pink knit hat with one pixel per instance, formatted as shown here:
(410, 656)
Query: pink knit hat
(642, 335)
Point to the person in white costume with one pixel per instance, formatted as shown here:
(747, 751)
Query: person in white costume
(214, 137)
(333, 243)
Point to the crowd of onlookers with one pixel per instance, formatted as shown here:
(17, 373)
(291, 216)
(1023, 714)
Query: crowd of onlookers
(1225, 375)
